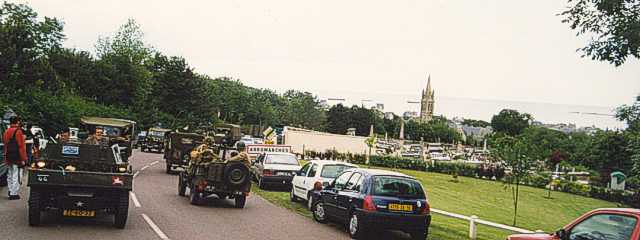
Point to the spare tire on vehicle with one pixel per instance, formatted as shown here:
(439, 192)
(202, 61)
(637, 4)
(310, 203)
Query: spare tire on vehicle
(236, 174)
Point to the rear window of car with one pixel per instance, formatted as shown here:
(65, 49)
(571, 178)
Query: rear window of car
(281, 159)
(332, 171)
(397, 187)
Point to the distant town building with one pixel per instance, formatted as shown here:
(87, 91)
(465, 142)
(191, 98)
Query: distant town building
(588, 130)
(380, 107)
(562, 127)
(427, 102)
(409, 115)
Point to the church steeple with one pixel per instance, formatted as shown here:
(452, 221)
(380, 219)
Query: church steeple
(428, 100)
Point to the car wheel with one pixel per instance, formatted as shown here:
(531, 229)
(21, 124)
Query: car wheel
(236, 175)
(310, 201)
(292, 196)
(240, 201)
(122, 210)
(34, 207)
(419, 235)
(195, 198)
(169, 171)
(260, 184)
(319, 213)
(182, 187)
(355, 227)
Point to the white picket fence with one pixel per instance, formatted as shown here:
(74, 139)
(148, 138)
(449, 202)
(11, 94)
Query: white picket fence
(474, 221)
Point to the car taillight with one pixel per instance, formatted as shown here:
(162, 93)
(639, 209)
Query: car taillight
(267, 172)
(317, 186)
(368, 204)
(426, 210)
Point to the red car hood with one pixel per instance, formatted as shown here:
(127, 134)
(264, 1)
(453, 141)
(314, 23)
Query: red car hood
(534, 236)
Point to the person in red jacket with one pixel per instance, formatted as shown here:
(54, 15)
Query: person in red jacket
(15, 156)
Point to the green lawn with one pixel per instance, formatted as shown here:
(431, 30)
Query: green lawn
(486, 199)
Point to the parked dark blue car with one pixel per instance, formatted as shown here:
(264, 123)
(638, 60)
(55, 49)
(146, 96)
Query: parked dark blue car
(367, 200)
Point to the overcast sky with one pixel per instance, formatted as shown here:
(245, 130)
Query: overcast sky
(506, 50)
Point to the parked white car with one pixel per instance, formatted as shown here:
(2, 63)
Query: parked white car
(315, 172)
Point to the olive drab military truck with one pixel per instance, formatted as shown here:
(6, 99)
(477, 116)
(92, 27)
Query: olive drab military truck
(80, 180)
(116, 131)
(210, 174)
(154, 141)
(178, 146)
(227, 134)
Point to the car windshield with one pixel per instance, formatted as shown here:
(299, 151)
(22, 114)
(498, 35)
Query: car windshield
(332, 171)
(156, 134)
(397, 187)
(281, 159)
(111, 131)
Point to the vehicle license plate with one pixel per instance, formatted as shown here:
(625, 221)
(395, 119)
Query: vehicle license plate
(283, 174)
(400, 207)
(78, 213)
(70, 150)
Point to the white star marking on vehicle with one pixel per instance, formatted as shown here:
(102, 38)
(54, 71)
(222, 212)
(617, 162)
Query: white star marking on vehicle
(79, 204)
(117, 181)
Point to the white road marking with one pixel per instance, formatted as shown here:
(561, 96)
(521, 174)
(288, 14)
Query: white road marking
(136, 174)
(143, 168)
(155, 227)
(154, 163)
(135, 199)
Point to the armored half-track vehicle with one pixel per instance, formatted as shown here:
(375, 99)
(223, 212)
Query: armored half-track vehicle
(178, 146)
(225, 179)
(117, 131)
(154, 141)
(80, 180)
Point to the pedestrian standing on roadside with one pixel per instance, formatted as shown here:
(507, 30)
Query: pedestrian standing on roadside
(29, 140)
(15, 156)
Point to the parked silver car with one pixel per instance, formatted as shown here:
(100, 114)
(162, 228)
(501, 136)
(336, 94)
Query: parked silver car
(275, 169)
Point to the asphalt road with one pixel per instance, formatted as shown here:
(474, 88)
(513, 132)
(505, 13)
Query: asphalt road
(159, 213)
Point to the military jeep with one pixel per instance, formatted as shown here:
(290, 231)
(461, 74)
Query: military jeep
(117, 131)
(178, 147)
(225, 179)
(80, 180)
(154, 141)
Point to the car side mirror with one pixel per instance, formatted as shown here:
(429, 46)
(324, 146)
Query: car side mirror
(562, 234)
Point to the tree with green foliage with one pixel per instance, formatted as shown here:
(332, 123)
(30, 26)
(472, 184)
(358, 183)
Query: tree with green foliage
(338, 119)
(475, 123)
(548, 140)
(128, 80)
(510, 122)
(24, 39)
(521, 158)
(613, 25)
(302, 109)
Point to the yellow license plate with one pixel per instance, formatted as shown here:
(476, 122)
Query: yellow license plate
(78, 213)
(400, 207)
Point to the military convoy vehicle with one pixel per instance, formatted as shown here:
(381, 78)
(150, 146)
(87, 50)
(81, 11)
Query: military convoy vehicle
(227, 134)
(154, 141)
(118, 131)
(178, 147)
(80, 180)
(225, 179)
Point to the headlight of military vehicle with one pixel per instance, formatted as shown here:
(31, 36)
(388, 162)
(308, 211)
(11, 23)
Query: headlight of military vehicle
(70, 168)
(122, 169)
(41, 164)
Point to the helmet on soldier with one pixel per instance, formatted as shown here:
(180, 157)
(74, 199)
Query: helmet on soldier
(240, 146)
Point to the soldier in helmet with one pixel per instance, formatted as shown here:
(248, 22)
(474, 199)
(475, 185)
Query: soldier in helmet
(242, 156)
(204, 153)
